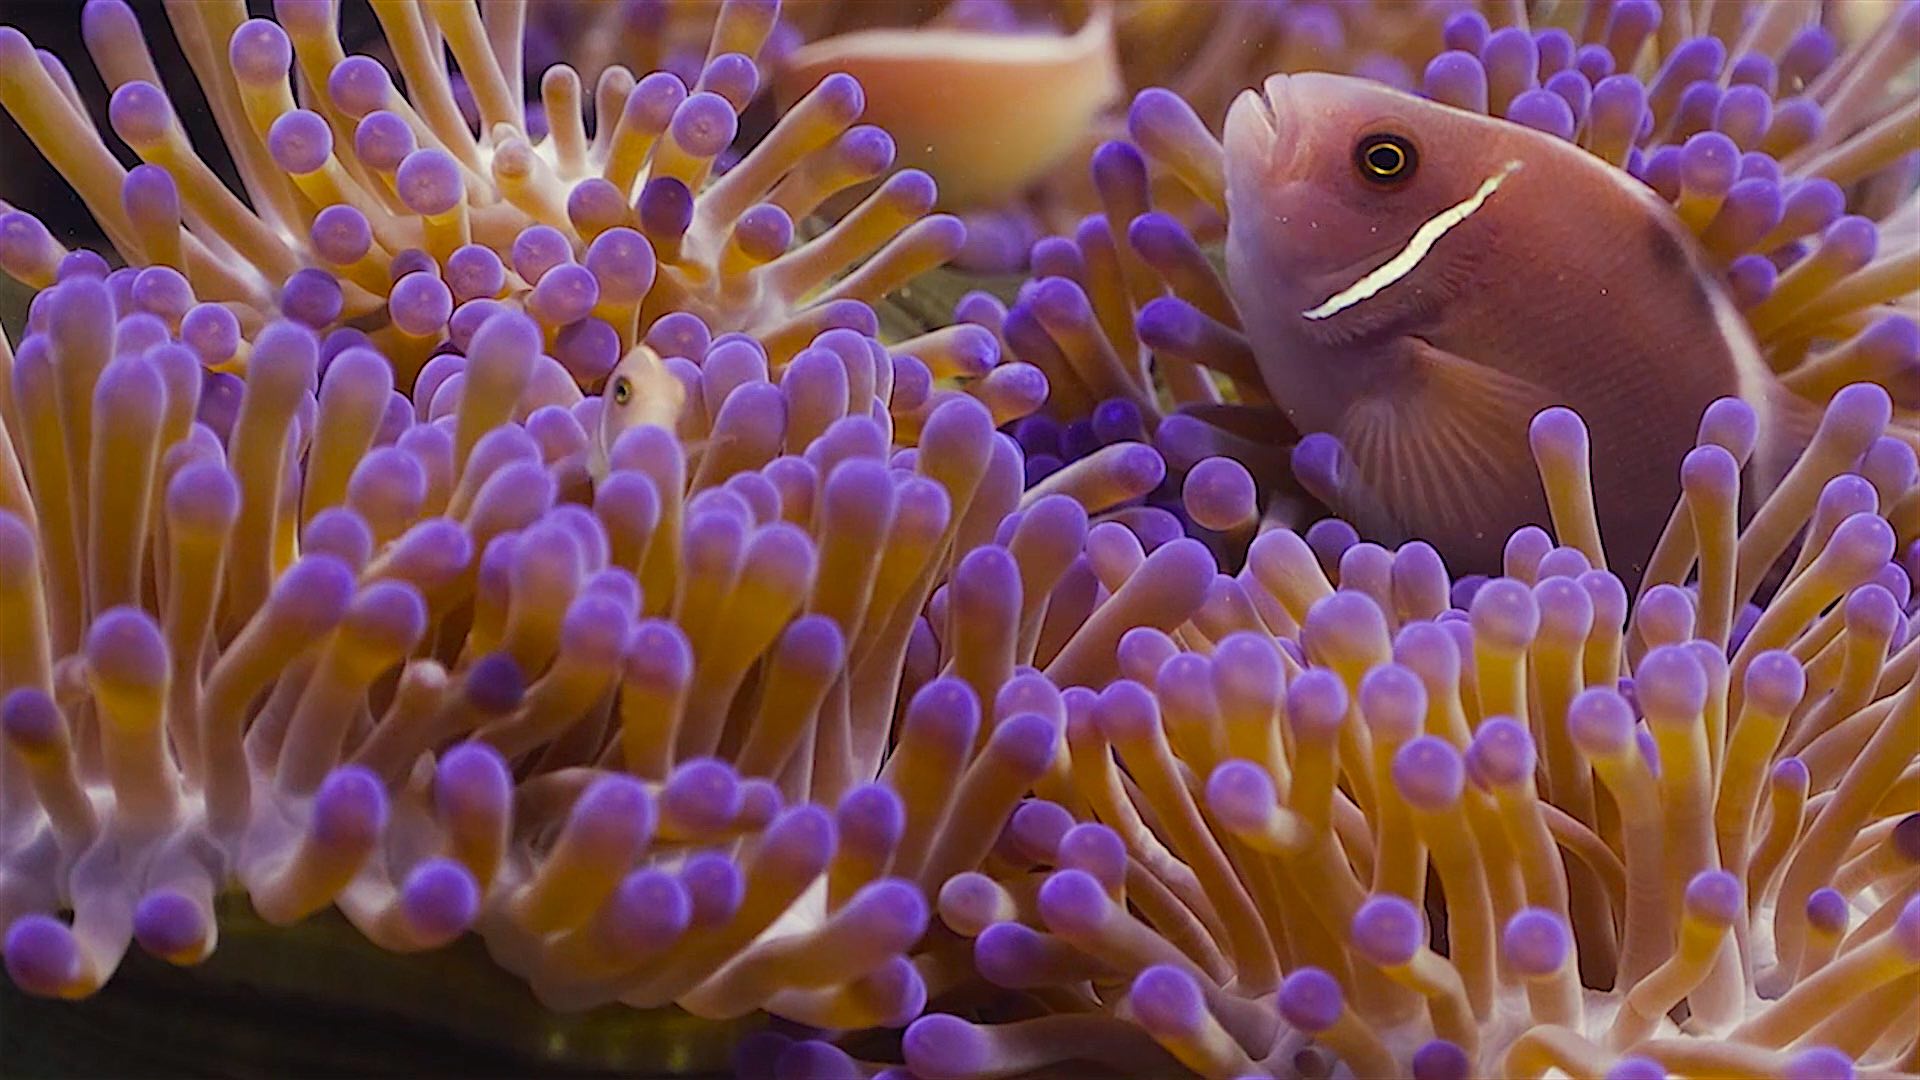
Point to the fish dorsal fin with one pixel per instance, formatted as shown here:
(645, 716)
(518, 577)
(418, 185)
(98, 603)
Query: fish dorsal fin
(1442, 441)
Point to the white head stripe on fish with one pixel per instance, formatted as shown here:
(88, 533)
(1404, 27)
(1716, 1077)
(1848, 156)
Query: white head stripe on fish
(1427, 235)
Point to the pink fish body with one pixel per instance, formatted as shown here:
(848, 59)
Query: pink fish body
(987, 113)
(1421, 281)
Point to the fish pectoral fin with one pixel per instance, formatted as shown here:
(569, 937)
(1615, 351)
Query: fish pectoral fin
(1441, 448)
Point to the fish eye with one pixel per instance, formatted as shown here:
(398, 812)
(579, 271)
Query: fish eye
(622, 390)
(1385, 159)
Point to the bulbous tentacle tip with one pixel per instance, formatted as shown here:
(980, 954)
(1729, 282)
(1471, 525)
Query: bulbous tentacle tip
(349, 810)
(814, 1057)
(42, 957)
(1820, 1061)
(1311, 1000)
(440, 901)
(125, 651)
(1387, 930)
(941, 1045)
(1429, 773)
(1906, 931)
(1167, 1002)
(1536, 943)
(1637, 1068)
(174, 927)
(1441, 1059)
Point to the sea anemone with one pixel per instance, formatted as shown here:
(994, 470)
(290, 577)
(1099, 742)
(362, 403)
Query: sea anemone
(1542, 830)
(604, 736)
(250, 580)
(428, 673)
(873, 687)
(385, 214)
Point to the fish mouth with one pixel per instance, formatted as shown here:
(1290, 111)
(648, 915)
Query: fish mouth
(1260, 127)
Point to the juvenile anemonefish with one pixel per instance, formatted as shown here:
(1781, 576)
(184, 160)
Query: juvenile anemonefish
(640, 390)
(1420, 282)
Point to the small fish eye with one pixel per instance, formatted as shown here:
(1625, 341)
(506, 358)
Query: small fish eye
(1385, 159)
(622, 390)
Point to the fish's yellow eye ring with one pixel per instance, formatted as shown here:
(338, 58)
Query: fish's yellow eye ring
(1385, 159)
(622, 390)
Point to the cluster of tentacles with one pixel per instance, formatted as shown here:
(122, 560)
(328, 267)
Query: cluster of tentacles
(971, 703)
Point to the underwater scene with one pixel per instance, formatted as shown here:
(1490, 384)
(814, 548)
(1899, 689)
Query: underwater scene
(960, 539)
